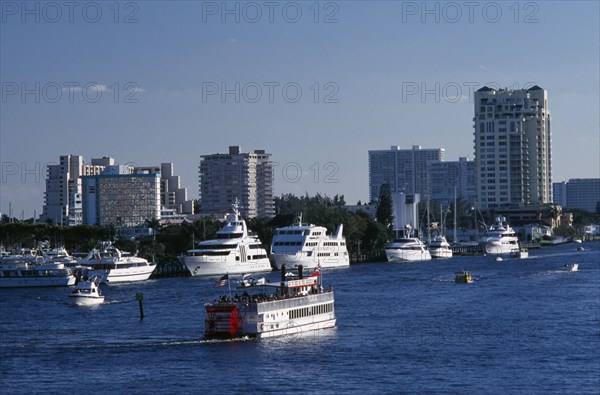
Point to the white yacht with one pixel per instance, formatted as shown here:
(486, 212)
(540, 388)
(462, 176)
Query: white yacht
(407, 248)
(500, 239)
(15, 272)
(112, 265)
(309, 245)
(289, 307)
(234, 251)
(439, 247)
(60, 255)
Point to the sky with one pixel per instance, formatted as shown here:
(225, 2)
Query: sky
(316, 84)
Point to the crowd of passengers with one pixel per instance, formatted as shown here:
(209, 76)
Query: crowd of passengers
(263, 297)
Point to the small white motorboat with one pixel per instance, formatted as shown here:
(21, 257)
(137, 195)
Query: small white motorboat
(87, 292)
(499, 259)
(573, 267)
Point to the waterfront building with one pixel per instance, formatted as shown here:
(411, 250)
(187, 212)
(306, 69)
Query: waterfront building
(172, 195)
(121, 198)
(513, 147)
(581, 193)
(62, 199)
(405, 170)
(447, 179)
(243, 176)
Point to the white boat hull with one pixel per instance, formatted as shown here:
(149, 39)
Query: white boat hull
(112, 276)
(279, 317)
(310, 262)
(501, 249)
(398, 255)
(83, 300)
(297, 328)
(440, 253)
(44, 281)
(216, 266)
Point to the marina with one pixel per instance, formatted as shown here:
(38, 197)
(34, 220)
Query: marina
(415, 344)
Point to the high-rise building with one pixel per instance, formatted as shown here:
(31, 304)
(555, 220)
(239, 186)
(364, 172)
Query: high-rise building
(448, 179)
(62, 199)
(513, 147)
(245, 177)
(405, 170)
(121, 198)
(581, 193)
(172, 195)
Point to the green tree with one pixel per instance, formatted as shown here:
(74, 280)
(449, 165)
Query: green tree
(385, 213)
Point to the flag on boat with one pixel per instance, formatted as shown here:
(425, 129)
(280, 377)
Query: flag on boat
(223, 281)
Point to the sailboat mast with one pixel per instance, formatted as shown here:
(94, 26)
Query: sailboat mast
(454, 234)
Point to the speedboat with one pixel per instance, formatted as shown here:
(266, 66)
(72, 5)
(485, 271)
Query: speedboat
(87, 292)
(500, 239)
(309, 245)
(407, 249)
(521, 254)
(573, 267)
(463, 277)
(234, 251)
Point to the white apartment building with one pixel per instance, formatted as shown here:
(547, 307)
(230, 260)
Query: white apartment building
(405, 170)
(62, 199)
(513, 147)
(581, 193)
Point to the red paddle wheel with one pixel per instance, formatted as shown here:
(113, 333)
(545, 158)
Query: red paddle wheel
(235, 322)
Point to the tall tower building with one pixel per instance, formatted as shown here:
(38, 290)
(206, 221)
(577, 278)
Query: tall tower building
(405, 170)
(247, 177)
(513, 147)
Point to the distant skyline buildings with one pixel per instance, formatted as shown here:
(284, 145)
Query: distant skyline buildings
(513, 147)
(63, 196)
(146, 115)
(65, 192)
(405, 170)
(245, 177)
(449, 178)
(578, 193)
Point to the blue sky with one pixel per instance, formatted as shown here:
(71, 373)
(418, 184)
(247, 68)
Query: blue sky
(316, 95)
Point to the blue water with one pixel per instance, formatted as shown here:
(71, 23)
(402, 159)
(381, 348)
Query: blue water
(523, 326)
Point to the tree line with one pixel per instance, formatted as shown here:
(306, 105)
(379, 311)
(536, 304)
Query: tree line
(366, 236)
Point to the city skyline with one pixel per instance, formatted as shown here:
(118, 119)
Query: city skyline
(148, 83)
